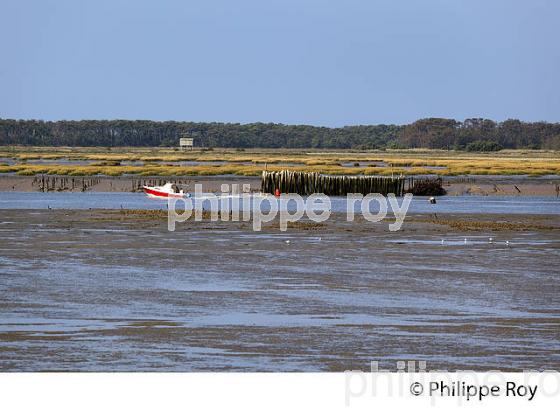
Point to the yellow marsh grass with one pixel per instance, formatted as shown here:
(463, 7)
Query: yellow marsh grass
(248, 170)
(252, 162)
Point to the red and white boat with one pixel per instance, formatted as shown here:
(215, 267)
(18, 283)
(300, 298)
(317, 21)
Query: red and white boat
(169, 190)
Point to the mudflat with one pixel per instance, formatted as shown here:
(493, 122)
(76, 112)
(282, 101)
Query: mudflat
(102, 183)
(104, 290)
(520, 185)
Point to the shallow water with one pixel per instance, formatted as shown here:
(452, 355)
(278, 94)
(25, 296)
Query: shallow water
(351, 164)
(383, 164)
(7, 160)
(97, 296)
(60, 161)
(125, 200)
(194, 163)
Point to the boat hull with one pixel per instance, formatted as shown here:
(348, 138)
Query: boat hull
(156, 193)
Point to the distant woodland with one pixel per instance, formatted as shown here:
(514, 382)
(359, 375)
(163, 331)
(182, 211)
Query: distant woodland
(475, 134)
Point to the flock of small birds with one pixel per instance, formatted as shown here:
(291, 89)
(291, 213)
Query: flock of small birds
(490, 240)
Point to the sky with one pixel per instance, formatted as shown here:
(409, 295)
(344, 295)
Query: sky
(328, 63)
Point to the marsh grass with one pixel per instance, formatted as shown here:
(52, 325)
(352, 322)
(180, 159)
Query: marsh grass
(470, 225)
(143, 213)
(253, 162)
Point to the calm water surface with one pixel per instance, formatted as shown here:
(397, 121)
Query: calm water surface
(447, 204)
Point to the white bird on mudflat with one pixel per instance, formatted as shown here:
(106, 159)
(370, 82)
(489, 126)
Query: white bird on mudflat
(287, 241)
(507, 244)
(465, 240)
(490, 240)
(442, 241)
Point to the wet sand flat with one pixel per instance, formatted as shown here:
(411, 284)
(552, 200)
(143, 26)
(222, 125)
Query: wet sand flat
(520, 185)
(133, 183)
(94, 290)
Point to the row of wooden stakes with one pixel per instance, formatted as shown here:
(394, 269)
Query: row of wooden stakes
(307, 183)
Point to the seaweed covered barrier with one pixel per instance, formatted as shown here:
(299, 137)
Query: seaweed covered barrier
(307, 183)
(426, 187)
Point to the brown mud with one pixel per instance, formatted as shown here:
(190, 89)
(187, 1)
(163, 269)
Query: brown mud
(115, 291)
(485, 185)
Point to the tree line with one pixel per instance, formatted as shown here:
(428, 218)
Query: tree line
(474, 134)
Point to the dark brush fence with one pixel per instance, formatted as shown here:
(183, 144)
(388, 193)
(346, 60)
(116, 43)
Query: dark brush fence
(425, 186)
(306, 183)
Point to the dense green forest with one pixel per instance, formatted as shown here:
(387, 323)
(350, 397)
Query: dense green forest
(474, 134)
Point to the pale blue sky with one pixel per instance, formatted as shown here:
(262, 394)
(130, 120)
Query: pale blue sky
(292, 61)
